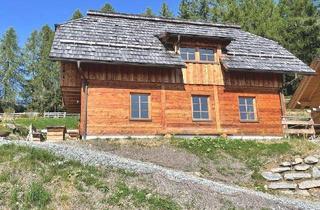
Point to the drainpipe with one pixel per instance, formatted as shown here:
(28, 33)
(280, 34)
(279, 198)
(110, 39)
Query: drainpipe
(85, 88)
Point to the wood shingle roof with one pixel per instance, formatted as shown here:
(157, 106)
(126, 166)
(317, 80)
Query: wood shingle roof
(134, 39)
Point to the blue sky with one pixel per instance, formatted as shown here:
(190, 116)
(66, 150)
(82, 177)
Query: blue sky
(28, 15)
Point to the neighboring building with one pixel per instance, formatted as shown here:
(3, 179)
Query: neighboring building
(132, 75)
(307, 95)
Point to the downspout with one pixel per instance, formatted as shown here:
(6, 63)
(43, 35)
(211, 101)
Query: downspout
(85, 87)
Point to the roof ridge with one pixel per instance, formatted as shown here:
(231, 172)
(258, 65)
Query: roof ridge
(160, 19)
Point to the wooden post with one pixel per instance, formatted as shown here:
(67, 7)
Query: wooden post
(217, 108)
(163, 108)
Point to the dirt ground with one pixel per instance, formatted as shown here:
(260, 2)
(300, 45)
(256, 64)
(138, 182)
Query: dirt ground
(226, 169)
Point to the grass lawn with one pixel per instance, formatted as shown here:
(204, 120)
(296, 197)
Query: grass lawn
(36, 179)
(254, 154)
(41, 123)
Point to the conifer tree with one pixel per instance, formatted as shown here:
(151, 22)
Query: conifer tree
(165, 11)
(185, 9)
(11, 74)
(149, 12)
(76, 15)
(107, 8)
(41, 90)
(203, 12)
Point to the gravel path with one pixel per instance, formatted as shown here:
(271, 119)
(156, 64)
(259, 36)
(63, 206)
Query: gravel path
(235, 193)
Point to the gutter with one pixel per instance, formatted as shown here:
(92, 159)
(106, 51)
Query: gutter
(85, 87)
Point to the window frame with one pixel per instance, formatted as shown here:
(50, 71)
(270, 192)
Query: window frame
(195, 51)
(149, 107)
(206, 54)
(208, 105)
(255, 112)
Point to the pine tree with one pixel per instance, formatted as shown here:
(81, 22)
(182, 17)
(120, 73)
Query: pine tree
(11, 74)
(41, 91)
(76, 15)
(107, 8)
(300, 31)
(204, 10)
(165, 11)
(148, 12)
(185, 9)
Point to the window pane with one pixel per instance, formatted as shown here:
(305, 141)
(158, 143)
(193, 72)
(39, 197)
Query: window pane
(249, 101)
(250, 109)
(210, 58)
(192, 57)
(134, 114)
(204, 115)
(251, 116)
(144, 114)
(196, 107)
(243, 116)
(196, 115)
(242, 100)
(135, 98)
(206, 54)
(184, 56)
(144, 98)
(195, 99)
(144, 106)
(203, 57)
(204, 104)
(242, 108)
(139, 106)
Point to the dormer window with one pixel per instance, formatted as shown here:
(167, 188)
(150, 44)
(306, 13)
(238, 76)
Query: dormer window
(206, 54)
(188, 54)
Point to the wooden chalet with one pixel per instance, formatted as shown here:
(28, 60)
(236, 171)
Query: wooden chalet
(130, 75)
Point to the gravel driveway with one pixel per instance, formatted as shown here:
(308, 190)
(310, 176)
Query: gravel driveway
(176, 181)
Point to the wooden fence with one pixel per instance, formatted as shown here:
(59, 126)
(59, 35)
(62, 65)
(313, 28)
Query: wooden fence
(37, 114)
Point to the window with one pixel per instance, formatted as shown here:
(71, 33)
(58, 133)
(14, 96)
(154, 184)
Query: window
(247, 107)
(206, 54)
(188, 54)
(200, 108)
(140, 106)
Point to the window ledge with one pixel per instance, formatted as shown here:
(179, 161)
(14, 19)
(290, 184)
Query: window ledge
(249, 121)
(202, 62)
(196, 120)
(141, 120)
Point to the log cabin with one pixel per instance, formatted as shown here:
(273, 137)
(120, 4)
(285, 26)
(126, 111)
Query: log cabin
(131, 75)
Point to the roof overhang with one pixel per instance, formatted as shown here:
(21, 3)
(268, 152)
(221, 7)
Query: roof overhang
(115, 62)
(269, 71)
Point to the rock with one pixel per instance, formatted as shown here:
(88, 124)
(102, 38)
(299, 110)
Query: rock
(315, 172)
(271, 176)
(302, 167)
(303, 193)
(309, 184)
(294, 176)
(297, 161)
(282, 185)
(311, 160)
(11, 126)
(285, 164)
(280, 169)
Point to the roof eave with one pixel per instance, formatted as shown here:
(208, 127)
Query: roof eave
(269, 71)
(117, 62)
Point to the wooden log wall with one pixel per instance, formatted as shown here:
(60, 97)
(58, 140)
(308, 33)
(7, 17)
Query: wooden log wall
(171, 91)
